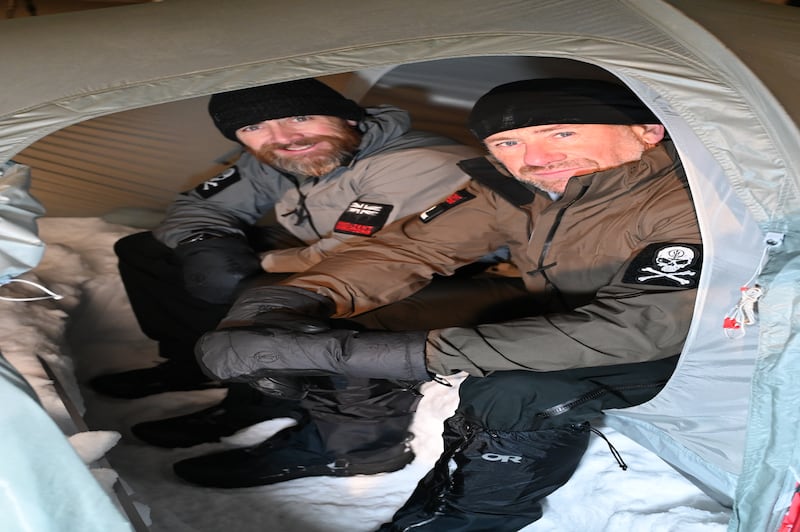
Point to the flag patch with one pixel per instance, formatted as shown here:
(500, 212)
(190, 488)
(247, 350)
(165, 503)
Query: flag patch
(456, 198)
(361, 218)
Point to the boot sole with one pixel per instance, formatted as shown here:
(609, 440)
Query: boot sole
(338, 468)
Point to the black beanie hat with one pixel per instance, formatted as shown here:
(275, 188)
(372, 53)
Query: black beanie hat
(537, 102)
(235, 109)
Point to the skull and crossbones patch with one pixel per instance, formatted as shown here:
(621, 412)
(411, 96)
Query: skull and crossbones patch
(666, 264)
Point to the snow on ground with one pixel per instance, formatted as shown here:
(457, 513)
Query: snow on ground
(92, 331)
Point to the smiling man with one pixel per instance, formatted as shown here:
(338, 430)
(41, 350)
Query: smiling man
(548, 156)
(319, 172)
(591, 198)
(305, 145)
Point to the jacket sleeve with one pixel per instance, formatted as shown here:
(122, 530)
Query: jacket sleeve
(402, 258)
(625, 322)
(402, 183)
(224, 204)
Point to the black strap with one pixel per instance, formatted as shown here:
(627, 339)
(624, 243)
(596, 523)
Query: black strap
(482, 171)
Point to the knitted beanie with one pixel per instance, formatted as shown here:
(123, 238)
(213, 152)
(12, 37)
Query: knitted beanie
(235, 109)
(537, 102)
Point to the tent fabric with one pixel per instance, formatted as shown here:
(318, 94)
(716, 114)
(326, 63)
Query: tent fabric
(45, 485)
(720, 74)
(20, 246)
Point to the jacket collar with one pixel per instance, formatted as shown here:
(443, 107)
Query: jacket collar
(655, 162)
(483, 171)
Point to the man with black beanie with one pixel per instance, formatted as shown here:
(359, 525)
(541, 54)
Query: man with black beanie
(319, 172)
(589, 194)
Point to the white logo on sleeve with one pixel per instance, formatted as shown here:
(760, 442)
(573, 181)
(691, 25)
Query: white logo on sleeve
(672, 263)
(668, 264)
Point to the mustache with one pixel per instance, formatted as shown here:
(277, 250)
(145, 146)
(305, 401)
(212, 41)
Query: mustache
(316, 139)
(531, 169)
(584, 165)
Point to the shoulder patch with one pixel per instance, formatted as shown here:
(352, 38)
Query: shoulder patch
(666, 264)
(361, 218)
(456, 198)
(218, 183)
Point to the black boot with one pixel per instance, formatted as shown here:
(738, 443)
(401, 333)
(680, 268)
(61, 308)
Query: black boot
(361, 414)
(169, 376)
(290, 454)
(498, 481)
(241, 408)
(356, 428)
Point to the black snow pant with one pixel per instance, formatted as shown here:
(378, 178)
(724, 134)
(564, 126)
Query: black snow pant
(165, 311)
(355, 412)
(516, 437)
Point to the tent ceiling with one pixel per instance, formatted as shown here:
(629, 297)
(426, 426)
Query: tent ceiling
(141, 158)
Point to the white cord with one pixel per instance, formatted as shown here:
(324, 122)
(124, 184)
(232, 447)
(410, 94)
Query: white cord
(50, 293)
(744, 312)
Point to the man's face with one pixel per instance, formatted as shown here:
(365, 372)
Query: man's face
(548, 156)
(310, 145)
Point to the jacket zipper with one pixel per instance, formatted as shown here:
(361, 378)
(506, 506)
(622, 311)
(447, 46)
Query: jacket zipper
(542, 268)
(588, 396)
(301, 210)
(438, 512)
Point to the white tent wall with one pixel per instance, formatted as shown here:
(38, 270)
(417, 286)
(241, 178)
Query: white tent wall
(735, 129)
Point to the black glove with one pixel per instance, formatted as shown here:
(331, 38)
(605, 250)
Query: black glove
(214, 267)
(247, 355)
(280, 307)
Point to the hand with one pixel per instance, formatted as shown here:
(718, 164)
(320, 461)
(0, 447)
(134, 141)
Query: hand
(280, 307)
(213, 268)
(246, 355)
(293, 388)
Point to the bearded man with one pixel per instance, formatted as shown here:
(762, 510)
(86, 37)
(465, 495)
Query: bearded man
(318, 171)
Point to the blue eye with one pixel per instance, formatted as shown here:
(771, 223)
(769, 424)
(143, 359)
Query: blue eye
(505, 144)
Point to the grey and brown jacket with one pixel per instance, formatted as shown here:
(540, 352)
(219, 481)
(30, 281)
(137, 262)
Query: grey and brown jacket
(396, 172)
(613, 266)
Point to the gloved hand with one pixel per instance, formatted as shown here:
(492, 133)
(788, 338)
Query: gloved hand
(249, 354)
(280, 307)
(214, 267)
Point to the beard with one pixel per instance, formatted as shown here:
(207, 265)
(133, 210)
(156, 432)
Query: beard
(340, 150)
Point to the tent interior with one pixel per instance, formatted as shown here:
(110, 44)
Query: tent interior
(127, 166)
